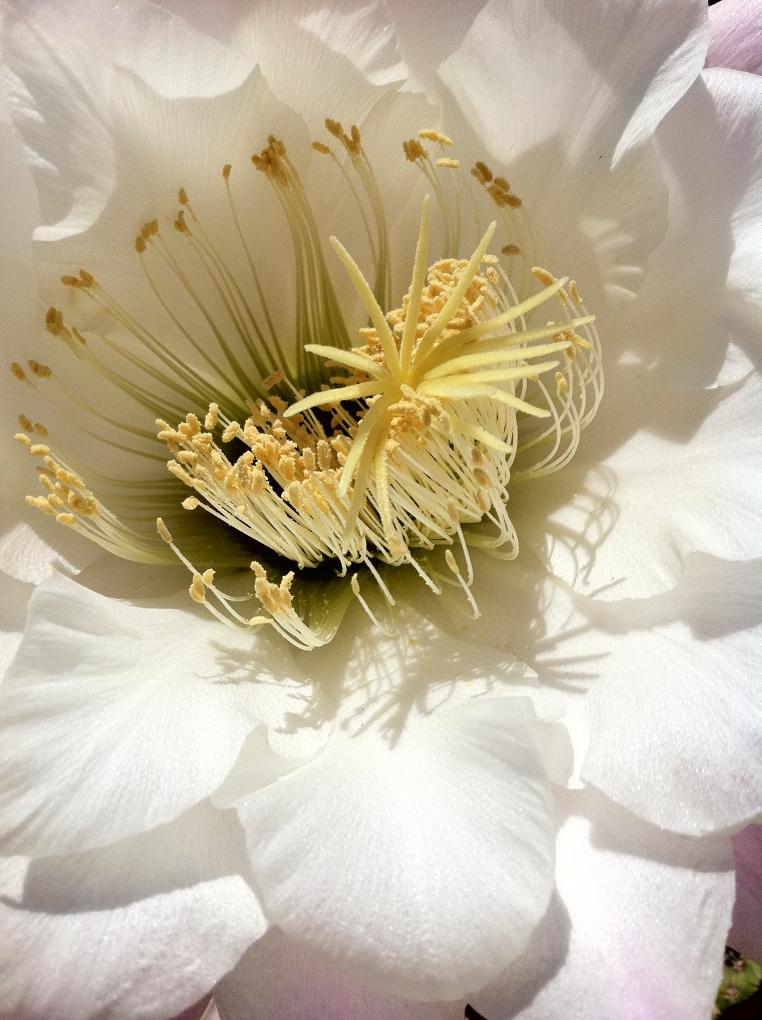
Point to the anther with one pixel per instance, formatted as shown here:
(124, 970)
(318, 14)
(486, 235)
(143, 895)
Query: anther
(432, 135)
(40, 370)
(482, 172)
(543, 276)
(273, 380)
(451, 561)
(414, 150)
(212, 417)
(197, 590)
(164, 533)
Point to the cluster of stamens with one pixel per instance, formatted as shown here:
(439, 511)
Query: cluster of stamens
(361, 457)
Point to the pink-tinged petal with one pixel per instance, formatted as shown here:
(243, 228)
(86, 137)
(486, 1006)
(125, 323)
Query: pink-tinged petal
(735, 35)
(746, 930)
(637, 928)
(738, 100)
(140, 929)
(118, 718)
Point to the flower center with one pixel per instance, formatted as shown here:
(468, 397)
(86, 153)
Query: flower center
(350, 458)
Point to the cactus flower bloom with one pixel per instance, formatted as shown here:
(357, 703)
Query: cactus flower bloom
(385, 390)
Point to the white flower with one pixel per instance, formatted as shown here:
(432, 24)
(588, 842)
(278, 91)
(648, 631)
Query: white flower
(530, 808)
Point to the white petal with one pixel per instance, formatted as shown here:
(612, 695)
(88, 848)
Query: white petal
(14, 596)
(119, 718)
(528, 613)
(637, 931)
(61, 96)
(660, 448)
(142, 928)
(157, 145)
(691, 306)
(420, 815)
(280, 979)
(581, 215)
(659, 695)
(746, 930)
(344, 57)
(597, 77)
(676, 713)
(688, 483)
(426, 38)
(585, 83)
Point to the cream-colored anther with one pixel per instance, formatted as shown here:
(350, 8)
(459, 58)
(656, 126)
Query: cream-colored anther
(164, 533)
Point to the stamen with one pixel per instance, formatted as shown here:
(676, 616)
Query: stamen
(355, 584)
(352, 144)
(453, 566)
(389, 450)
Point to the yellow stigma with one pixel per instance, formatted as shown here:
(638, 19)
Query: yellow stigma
(436, 382)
